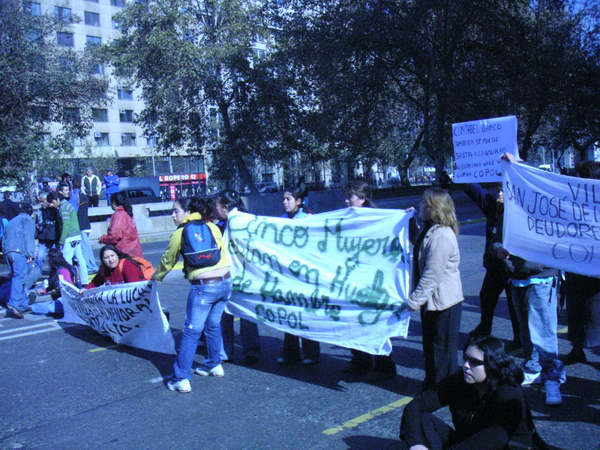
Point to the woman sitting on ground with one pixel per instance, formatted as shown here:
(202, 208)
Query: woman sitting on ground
(116, 267)
(486, 402)
(59, 269)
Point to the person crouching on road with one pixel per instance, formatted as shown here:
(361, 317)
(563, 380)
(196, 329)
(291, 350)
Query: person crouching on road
(116, 267)
(437, 284)
(210, 290)
(486, 401)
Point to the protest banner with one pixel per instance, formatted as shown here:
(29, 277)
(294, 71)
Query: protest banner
(340, 277)
(129, 313)
(478, 146)
(552, 219)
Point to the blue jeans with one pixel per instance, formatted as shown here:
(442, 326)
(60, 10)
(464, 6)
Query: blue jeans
(248, 333)
(88, 253)
(205, 305)
(19, 270)
(72, 248)
(536, 309)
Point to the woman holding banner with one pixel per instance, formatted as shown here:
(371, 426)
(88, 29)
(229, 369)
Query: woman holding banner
(210, 289)
(358, 195)
(224, 202)
(438, 290)
(116, 267)
(293, 204)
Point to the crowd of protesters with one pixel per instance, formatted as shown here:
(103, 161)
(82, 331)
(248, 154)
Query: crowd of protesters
(484, 394)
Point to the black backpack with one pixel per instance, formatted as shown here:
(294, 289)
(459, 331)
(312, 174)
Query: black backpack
(198, 246)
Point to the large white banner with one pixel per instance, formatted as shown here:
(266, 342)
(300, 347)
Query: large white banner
(552, 219)
(478, 146)
(340, 277)
(129, 313)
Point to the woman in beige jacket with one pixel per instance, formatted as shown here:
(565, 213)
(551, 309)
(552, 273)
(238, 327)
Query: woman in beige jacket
(438, 289)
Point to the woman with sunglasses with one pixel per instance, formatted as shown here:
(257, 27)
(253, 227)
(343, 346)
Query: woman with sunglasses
(486, 402)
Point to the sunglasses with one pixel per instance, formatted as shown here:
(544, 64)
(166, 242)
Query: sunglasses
(473, 362)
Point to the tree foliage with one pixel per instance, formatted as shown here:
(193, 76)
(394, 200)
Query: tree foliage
(40, 83)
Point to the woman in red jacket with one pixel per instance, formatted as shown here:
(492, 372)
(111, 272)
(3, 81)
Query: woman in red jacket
(122, 232)
(115, 268)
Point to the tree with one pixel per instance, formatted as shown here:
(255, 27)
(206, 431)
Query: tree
(204, 86)
(41, 83)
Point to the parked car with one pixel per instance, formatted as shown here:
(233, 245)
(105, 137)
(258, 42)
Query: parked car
(267, 186)
(138, 195)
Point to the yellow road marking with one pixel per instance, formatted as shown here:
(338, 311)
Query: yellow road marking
(368, 416)
(563, 330)
(99, 349)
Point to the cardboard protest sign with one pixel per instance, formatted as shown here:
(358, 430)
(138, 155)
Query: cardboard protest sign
(129, 313)
(340, 277)
(478, 146)
(552, 219)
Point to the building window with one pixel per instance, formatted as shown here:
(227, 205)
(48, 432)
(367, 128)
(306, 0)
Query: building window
(100, 114)
(126, 115)
(101, 139)
(66, 63)
(63, 14)
(92, 18)
(125, 94)
(127, 139)
(97, 69)
(34, 35)
(72, 115)
(65, 39)
(92, 1)
(152, 141)
(32, 8)
(93, 40)
(119, 3)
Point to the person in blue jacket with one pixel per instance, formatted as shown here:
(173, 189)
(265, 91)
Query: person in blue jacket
(111, 185)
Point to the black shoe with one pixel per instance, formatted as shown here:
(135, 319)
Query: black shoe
(576, 355)
(13, 312)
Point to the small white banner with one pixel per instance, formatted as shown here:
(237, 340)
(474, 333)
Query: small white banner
(478, 146)
(552, 219)
(129, 313)
(340, 277)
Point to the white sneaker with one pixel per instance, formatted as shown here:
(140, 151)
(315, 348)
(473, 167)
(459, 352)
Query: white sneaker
(216, 371)
(531, 378)
(180, 386)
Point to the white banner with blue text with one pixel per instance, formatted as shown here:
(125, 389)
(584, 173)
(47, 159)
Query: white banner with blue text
(340, 277)
(552, 219)
(129, 313)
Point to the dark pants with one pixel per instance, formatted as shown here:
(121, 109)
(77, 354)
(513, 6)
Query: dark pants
(583, 309)
(494, 282)
(434, 431)
(440, 342)
(362, 361)
(94, 200)
(291, 348)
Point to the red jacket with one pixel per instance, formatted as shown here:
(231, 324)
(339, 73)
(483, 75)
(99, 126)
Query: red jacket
(123, 234)
(125, 272)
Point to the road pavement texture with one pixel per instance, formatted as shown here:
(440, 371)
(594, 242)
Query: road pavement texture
(68, 387)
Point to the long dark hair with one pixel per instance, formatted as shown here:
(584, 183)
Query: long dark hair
(56, 261)
(500, 368)
(184, 202)
(230, 199)
(202, 206)
(300, 192)
(120, 199)
(362, 190)
(104, 270)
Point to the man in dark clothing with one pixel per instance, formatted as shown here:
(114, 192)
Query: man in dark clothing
(496, 276)
(8, 208)
(47, 228)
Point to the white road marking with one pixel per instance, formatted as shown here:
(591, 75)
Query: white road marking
(157, 380)
(30, 327)
(29, 333)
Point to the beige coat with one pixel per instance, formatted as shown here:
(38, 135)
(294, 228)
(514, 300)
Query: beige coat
(439, 285)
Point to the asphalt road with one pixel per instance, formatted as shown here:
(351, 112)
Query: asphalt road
(68, 387)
